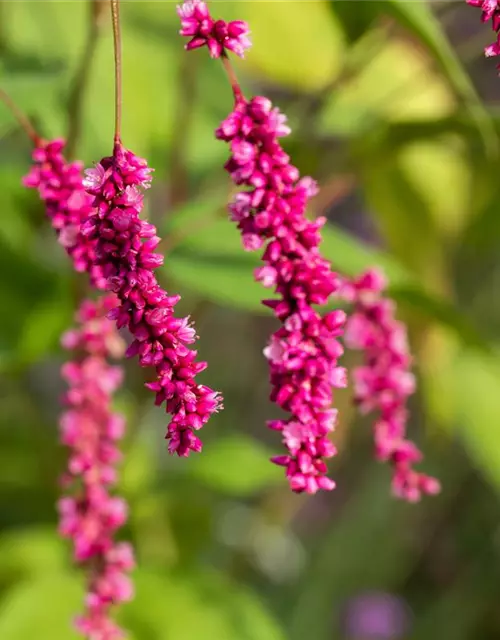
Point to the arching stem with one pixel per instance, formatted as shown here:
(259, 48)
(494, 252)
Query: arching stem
(21, 118)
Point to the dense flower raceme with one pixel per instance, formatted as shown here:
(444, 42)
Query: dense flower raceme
(125, 247)
(89, 514)
(303, 353)
(490, 11)
(384, 382)
(67, 204)
(217, 35)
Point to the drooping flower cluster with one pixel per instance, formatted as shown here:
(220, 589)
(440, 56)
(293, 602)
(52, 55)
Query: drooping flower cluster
(490, 11)
(89, 514)
(217, 35)
(384, 382)
(303, 353)
(67, 204)
(125, 247)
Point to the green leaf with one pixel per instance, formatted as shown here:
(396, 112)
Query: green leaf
(477, 381)
(419, 19)
(42, 328)
(41, 608)
(211, 262)
(277, 31)
(235, 465)
(397, 84)
(355, 23)
(34, 551)
(351, 256)
(218, 278)
(403, 216)
(200, 605)
(439, 310)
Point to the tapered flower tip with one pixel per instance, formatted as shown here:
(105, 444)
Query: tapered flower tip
(192, 9)
(217, 35)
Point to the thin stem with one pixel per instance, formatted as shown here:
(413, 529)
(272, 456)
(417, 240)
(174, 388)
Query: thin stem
(115, 17)
(21, 118)
(80, 82)
(233, 80)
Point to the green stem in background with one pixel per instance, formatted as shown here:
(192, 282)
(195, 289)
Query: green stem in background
(3, 34)
(80, 82)
(21, 118)
(186, 84)
(117, 42)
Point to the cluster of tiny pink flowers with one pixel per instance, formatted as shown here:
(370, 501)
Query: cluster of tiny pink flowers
(217, 35)
(89, 514)
(384, 382)
(125, 247)
(303, 353)
(490, 11)
(67, 204)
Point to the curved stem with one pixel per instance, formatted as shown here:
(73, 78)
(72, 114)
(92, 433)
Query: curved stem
(233, 80)
(21, 118)
(115, 17)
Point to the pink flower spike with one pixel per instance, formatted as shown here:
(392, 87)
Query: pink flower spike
(490, 11)
(384, 382)
(91, 516)
(219, 36)
(303, 352)
(124, 248)
(60, 186)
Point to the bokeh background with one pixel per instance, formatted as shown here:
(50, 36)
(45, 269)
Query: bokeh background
(395, 112)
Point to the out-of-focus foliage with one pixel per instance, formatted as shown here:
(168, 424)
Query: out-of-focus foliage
(393, 116)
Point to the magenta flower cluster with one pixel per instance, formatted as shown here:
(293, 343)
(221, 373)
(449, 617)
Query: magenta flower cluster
(217, 35)
(89, 514)
(490, 11)
(67, 204)
(384, 382)
(125, 247)
(303, 353)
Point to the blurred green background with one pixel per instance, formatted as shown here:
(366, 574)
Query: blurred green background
(396, 113)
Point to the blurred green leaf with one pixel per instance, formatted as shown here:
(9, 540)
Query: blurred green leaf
(24, 283)
(396, 84)
(235, 465)
(200, 605)
(403, 216)
(41, 608)
(351, 256)
(419, 19)
(477, 380)
(355, 23)
(32, 551)
(42, 328)
(277, 29)
(219, 278)
(439, 310)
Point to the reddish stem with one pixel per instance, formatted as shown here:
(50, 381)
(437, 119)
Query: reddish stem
(233, 80)
(21, 118)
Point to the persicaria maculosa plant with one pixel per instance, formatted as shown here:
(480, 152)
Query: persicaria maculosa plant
(125, 251)
(90, 515)
(97, 219)
(270, 212)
